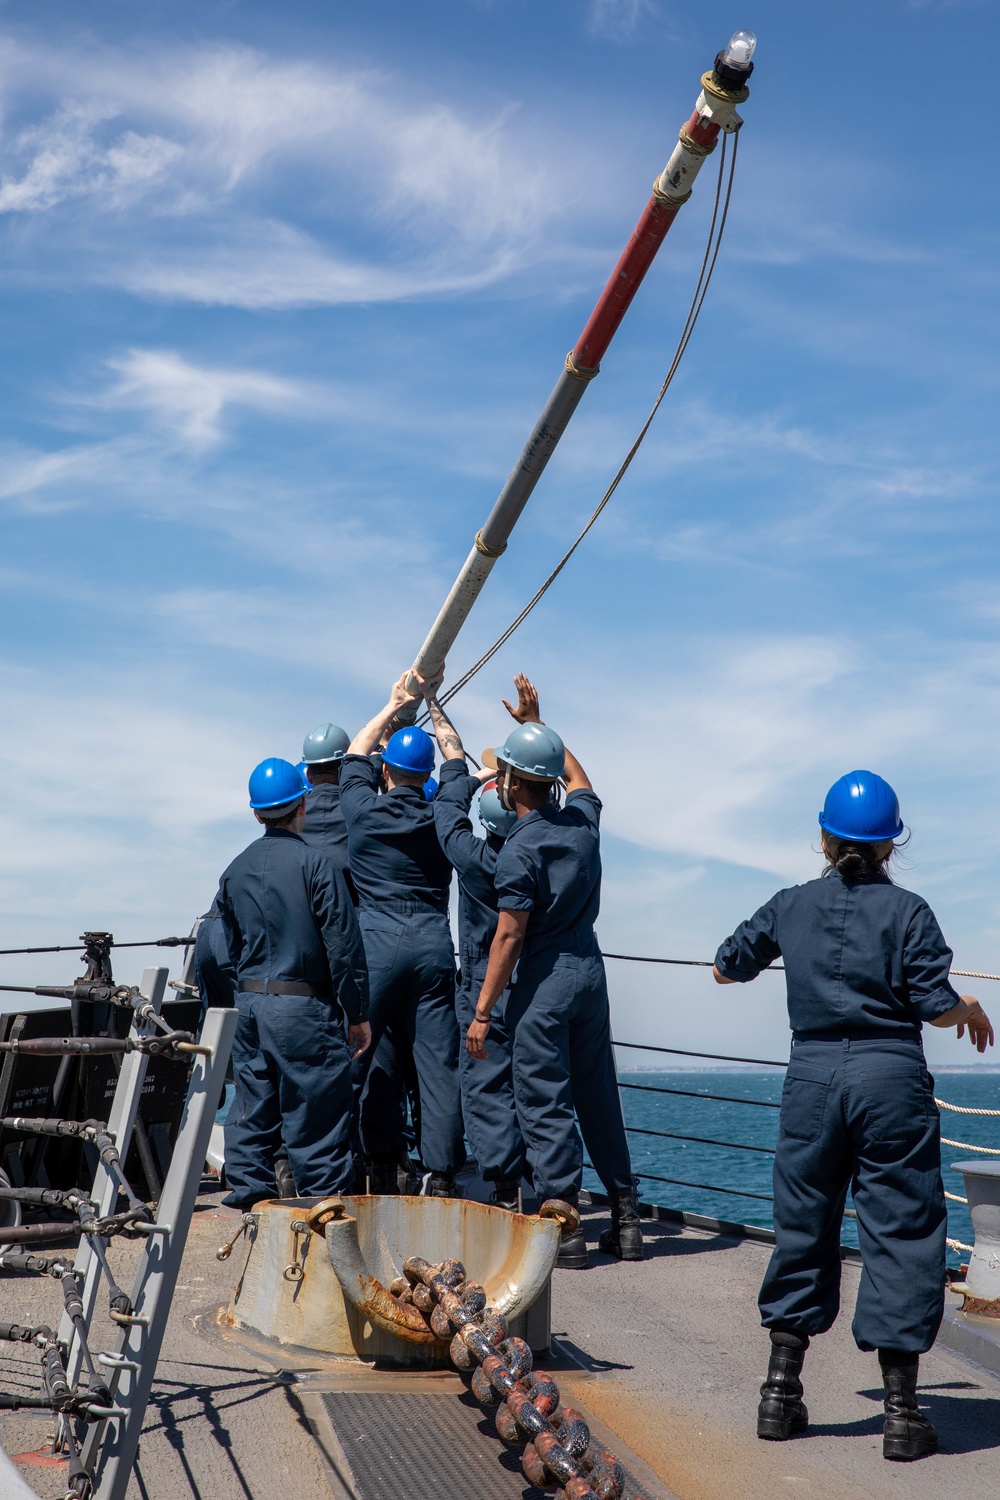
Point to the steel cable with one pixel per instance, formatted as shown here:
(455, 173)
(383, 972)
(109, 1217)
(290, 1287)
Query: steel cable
(650, 1088)
(765, 1062)
(711, 255)
(702, 1186)
(707, 963)
(167, 942)
(700, 1140)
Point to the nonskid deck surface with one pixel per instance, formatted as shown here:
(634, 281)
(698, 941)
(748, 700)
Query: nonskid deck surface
(666, 1357)
(678, 1357)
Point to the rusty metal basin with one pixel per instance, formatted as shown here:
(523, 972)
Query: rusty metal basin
(326, 1287)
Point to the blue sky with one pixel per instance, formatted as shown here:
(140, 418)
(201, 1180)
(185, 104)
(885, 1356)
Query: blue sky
(284, 289)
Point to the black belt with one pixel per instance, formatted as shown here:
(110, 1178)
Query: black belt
(401, 908)
(860, 1034)
(277, 987)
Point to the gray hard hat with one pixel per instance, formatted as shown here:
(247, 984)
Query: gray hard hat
(533, 750)
(326, 742)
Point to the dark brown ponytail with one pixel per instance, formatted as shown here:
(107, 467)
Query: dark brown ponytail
(858, 862)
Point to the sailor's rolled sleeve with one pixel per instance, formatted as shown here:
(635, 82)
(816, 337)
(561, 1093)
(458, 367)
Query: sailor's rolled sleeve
(927, 961)
(587, 804)
(752, 947)
(516, 878)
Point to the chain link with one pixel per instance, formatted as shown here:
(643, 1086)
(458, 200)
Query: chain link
(558, 1448)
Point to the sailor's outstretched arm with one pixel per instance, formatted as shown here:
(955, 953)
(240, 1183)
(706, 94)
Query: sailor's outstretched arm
(526, 711)
(368, 738)
(448, 738)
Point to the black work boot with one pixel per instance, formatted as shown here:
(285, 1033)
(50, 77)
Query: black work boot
(624, 1238)
(440, 1185)
(284, 1181)
(573, 1253)
(782, 1412)
(504, 1195)
(383, 1177)
(907, 1433)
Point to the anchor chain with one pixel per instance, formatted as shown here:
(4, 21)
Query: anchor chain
(559, 1450)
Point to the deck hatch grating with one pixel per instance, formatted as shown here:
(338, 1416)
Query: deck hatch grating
(427, 1448)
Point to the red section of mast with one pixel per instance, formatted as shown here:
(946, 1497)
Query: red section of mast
(637, 257)
(722, 89)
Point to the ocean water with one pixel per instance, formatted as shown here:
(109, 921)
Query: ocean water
(718, 1180)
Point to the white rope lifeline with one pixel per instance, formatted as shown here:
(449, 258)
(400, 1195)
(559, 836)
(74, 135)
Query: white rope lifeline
(964, 1109)
(966, 1146)
(955, 1198)
(959, 1245)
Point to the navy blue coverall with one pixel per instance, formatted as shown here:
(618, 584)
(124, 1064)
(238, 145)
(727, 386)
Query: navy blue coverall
(557, 1011)
(402, 879)
(325, 828)
(293, 939)
(865, 965)
(487, 1086)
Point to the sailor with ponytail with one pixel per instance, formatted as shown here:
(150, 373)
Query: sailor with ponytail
(866, 966)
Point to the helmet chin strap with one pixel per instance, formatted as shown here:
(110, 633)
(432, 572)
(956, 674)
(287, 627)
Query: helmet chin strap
(503, 790)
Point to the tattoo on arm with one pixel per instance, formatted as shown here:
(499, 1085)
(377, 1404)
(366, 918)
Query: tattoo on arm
(448, 737)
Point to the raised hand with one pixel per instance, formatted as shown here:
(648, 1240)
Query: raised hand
(401, 696)
(428, 687)
(526, 711)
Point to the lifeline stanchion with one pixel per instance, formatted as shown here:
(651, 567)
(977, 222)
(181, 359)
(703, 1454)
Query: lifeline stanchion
(88, 1400)
(121, 1122)
(110, 1450)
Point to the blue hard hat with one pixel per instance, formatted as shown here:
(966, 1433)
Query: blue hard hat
(431, 788)
(410, 749)
(492, 813)
(275, 782)
(325, 742)
(307, 785)
(534, 749)
(863, 808)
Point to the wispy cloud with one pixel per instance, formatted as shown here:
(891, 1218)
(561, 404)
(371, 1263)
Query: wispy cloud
(618, 19)
(228, 177)
(64, 158)
(190, 400)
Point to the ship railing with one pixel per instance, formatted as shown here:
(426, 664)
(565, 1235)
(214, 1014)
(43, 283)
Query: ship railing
(767, 1062)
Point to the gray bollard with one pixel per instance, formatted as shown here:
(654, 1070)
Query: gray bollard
(982, 1188)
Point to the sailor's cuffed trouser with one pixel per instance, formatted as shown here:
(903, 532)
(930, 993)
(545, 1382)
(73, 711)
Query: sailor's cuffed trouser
(411, 974)
(292, 1071)
(488, 1084)
(858, 1111)
(560, 1025)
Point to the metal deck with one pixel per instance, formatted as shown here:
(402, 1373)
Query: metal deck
(435, 1447)
(664, 1357)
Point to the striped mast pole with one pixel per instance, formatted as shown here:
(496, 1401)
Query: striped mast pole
(722, 89)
